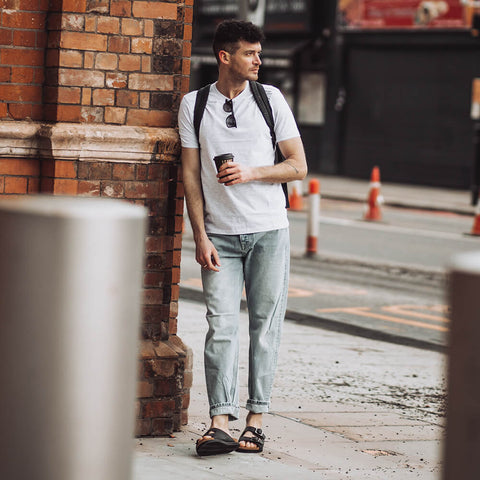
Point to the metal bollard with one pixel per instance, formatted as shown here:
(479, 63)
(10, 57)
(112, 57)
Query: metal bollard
(463, 417)
(313, 216)
(70, 296)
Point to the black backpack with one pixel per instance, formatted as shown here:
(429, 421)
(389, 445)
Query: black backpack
(264, 106)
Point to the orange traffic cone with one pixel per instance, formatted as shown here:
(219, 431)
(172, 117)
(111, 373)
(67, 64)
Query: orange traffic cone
(295, 197)
(375, 198)
(476, 221)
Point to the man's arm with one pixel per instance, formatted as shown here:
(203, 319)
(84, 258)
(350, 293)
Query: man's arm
(294, 167)
(206, 254)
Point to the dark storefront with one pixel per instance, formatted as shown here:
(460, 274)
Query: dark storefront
(407, 78)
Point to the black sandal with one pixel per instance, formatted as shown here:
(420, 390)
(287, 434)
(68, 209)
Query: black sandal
(221, 442)
(258, 439)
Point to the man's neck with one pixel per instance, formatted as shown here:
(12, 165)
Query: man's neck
(230, 89)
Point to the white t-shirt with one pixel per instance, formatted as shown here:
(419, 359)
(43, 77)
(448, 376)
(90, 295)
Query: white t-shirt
(247, 207)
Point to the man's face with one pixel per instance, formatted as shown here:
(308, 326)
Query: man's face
(245, 62)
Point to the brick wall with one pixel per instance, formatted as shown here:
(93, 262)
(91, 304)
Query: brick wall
(89, 94)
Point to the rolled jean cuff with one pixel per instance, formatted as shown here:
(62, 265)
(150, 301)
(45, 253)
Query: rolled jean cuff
(256, 406)
(233, 411)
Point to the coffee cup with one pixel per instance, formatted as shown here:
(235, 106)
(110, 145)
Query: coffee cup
(221, 159)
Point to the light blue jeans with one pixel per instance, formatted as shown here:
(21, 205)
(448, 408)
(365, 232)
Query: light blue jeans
(261, 262)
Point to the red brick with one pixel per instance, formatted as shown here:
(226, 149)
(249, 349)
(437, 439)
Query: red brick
(23, 20)
(70, 58)
(22, 75)
(33, 185)
(2, 184)
(71, 22)
(20, 167)
(144, 389)
(15, 185)
(148, 28)
(65, 169)
(157, 408)
(4, 74)
(142, 172)
(121, 8)
(90, 188)
(116, 80)
(149, 118)
(3, 110)
(106, 61)
(123, 171)
(90, 24)
(41, 39)
(103, 97)
(80, 78)
(87, 41)
(38, 75)
(68, 113)
(187, 49)
(186, 66)
(24, 38)
(37, 112)
(20, 93)
(74, 5)
(188, 15)
(108, 25)
(65, 187)
(115, 115)
(21, 56)
(89, 58)
(86, 96)
(126, 98)
(112, 189)
(129, 63)
(91, 114)
(63, 94)
(119, 44)
(142, 45)
(20, 111)
(187, 32)
(143, 81)
(6, 36)
(143, 427)
(142, 189)
(131, 26)
(146, 63)
(155, 10)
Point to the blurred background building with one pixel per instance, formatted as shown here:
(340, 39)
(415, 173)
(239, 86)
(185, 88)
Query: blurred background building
(371, 82)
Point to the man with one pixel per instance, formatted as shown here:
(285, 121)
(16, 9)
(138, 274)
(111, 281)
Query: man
(240, 229)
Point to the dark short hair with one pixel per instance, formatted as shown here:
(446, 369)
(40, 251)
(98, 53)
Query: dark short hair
(230, 32)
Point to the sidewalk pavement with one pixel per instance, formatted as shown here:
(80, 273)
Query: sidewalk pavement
(408, 196)
(343, 407)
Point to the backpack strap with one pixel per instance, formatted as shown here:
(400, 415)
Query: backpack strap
(264, 105)
(200, 104)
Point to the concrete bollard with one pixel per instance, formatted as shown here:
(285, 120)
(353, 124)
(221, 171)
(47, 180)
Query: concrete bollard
(463, 415)
(70, 304)
(313, 216)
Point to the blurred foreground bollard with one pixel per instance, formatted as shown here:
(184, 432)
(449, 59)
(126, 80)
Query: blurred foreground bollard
(70, 296)
(463, 416)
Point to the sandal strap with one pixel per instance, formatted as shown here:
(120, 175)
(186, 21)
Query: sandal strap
(258, 439)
